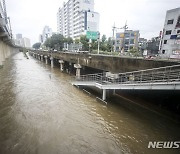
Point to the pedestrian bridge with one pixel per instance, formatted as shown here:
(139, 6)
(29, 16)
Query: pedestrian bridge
(162, 78)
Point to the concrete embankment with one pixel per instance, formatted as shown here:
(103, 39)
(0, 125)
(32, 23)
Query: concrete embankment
(5, 52)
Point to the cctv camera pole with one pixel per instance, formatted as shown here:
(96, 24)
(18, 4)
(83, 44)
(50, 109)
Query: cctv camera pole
(98, 45)
(98, 41)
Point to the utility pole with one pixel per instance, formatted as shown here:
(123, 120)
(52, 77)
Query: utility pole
(114, 28)
(125, 28)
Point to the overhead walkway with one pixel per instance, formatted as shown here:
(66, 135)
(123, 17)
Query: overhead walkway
(163, 78)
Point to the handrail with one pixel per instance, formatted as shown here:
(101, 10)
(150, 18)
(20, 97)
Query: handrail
(162, 74)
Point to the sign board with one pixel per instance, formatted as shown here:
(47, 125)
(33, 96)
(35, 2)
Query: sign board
(92, 35)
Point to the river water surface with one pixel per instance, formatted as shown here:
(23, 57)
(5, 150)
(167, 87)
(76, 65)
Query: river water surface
(42, 113)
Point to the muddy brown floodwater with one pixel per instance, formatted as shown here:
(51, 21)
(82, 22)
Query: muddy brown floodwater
(42, 113)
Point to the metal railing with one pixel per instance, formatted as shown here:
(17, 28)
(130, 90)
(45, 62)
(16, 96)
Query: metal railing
(162, 74)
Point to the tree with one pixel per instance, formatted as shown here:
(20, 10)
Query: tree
(77, 41)
(109, 44)
(68, 40)
(94, 45)
(104, 38)
(153, 45)
(56, 41)
(85, 42)
(134, 52)
(36, 45)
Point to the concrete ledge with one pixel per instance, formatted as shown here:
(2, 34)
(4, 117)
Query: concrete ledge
(86, 91)
(100, 100)
(114, 64)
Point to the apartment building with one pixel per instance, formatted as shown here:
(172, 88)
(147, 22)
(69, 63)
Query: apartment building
(76, 17)
(170, 42)
(127, 40)
(47, 32)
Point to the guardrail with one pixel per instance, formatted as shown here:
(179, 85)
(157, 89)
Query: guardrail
(162, 74)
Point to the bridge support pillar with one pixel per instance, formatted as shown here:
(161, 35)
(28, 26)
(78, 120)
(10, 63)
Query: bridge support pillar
(46, 60)
(52, 62)
(61, 65)
(70, 68)
(114, 91)
(78, 70)
(104, 95)
(41, 57)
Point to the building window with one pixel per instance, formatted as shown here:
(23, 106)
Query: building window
(126, 41)
(163, 51)
(168, 32)
(131, 47)
(170, 21)
(127, 34)
(178, 31)
(132, 41)
(165, 41)
(132, 34)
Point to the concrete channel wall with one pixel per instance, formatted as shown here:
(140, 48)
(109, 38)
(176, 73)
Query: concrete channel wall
(5, 52)
(114, 64)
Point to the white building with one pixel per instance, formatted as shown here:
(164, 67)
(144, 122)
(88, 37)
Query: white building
(170, 44)
(47, 32)
(18, 36)
(76, 17)
(26, 42)
(22, 41)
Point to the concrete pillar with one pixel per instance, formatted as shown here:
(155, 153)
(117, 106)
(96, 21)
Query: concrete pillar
(61, 65)
(78, 70)
(5, 52)
(104, 95)
(46, 60)
(41, 57)
(114, 91)
(52, 62)
(70, 68)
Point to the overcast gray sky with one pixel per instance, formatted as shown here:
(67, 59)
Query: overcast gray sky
(28, 17)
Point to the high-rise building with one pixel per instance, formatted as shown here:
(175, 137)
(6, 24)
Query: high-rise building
(18, 36)
(127, 40)
(22, 41)
(26, 42)
(76, 17)
(170, 42)
(47, 32)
